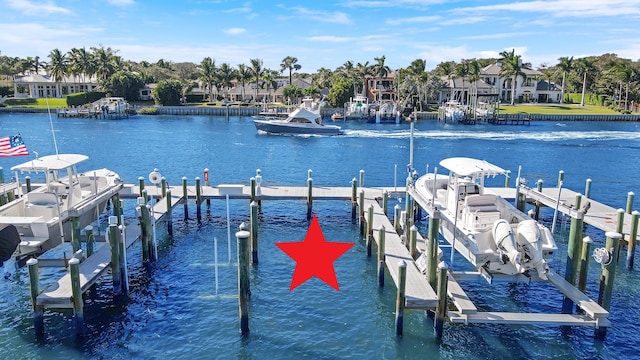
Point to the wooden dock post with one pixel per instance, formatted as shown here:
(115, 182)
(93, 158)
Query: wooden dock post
(361, 211)
(354, 199)
(539, 188)
(573, 257)
(75, 233)
(117, 207)
(78, 304)
(243, 280)
(507, 176)
(198, 199)
(254, 231)
(408, 209)
(141, 186)
(612, 245)
(400, 297)
(633, 234)
(186, 197)
(145, 236)
(413, 241)
(630, 196)
(369, 233)
(168, 215)
(441, 310)
(163, 186)
(361, 178)
(309, 197)
(578, 201)
(114, 243)
(34, 286)
(584, 263)
(385, 202)
(560, 178)
(145, 196)
(91, 239)
(587, 189)
(27, 179)
(206, 183)
(252, 183)
(620, 223)
(432, 248)
(381, 255)
(258, 187)
(396, 219)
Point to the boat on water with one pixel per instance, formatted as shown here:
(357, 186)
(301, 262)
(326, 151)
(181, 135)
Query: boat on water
(40, 219)
(387, 113)
(304, 120)
(358, 108)
(451, 111)
(336, 116)
(490, 232)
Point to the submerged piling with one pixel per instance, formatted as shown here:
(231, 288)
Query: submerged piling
(369, 232)
(198, 199)
(34, 286)
(381, 255)
(309, 197)
(186, 197)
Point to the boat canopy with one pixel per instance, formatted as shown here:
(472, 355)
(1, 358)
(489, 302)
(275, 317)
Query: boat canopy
(50, 162)
(463, 166)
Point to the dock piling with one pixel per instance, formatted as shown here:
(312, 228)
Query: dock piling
(254, 232)
(441, 310)
(78, 304)
(186, 197)
(361, 178)
(584, 263)
(243, 280)
(560, 178)
(369, 233)
(385, 202)
(27, 180)
(381, 255)
(163, 186)
(620, 222)
(90, 239)
(633, 234)
(206, 183)
(145, 236)
(168, 215)
(630, 196)
(400, 297)
(573, 257)
(75, 233)
(309, 197)
(432, 248)
(259, 187)
(354, 199)
(141, 185)
(396, 218)
(413, 240)
(587, 188)
(252, 183)
(361, 211)
(34, 286)
(607, 276)
(114, 243)
(507, 176)
(198, 199)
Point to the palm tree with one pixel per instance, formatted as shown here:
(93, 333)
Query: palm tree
(511, 67)
(105, 60)
(347, 71)
(290, 63)
(564, 66)
(207, 74)
(381, 70)
(474, 76)
(226, 73)
(584, 67)
(362, 71)
(269, 77)
(257, 71)
(58, 66)
(625, 73)
(462, 70)
(82, 63)
(322, 78)
(243, 74)
(417, 70)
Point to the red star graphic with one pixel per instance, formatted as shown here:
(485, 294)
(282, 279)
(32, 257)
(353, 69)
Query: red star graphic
(314, 257)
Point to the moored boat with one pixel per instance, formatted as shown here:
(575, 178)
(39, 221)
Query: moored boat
(485, 228)
(40, 218)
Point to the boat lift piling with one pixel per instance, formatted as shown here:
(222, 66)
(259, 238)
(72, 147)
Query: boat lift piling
(608, 259)
(631, 244)
(254, 231)
(185, 196)
(369, 233)
(198, 200)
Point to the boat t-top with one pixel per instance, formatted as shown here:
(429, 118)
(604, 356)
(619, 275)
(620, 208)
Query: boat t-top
(490, 232)
(304, 120)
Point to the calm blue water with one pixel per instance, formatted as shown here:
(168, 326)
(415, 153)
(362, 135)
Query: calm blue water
(174, 310)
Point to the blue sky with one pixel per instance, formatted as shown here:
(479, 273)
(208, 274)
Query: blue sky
(323, 33)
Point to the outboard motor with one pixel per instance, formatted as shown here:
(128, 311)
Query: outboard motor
(506, 242)
(529, 238)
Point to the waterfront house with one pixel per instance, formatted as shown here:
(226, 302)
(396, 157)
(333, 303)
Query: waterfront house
(35, 86)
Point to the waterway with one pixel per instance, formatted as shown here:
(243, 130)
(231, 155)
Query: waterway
(176, 310)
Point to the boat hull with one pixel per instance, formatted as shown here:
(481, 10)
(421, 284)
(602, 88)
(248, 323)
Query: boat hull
(282, 127)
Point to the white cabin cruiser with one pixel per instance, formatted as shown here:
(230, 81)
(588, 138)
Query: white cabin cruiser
(41, 217)
(304, 120)
(485, 228)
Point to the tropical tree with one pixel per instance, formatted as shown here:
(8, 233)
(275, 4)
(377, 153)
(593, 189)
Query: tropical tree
(625, 73)
(105, 60)
(290, 63)
(474, 76)
(511, 67)
(417, 74)
(381, 70)
(81, 62)
(167, 92)
(269, 81)
(584, 67)
(362, 71)
(208, 73)
(226, 73)
(58, 65)
(461, 70)
(564, 66)
(125, 84)
(291, 92)
(243, 75)
(322, 78)
(256, 71)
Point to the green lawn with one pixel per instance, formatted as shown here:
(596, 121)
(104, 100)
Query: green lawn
(36, 103)
(562, 109)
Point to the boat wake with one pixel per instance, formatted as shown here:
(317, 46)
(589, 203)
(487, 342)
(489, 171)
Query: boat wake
(498, 136)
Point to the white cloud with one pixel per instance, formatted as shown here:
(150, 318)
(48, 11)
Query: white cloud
(246, 8)
(30, 8)
(565, 8)
(332, 39)
(497, 36)
(391, 3)
(319, 15)
(414, 20)
(234, 31)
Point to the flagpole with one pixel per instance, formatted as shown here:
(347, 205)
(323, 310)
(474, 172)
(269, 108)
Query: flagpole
(55, 143)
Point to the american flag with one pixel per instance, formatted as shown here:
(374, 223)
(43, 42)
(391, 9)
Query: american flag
(12, 146)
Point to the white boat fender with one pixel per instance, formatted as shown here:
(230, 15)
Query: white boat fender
(505, 240)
